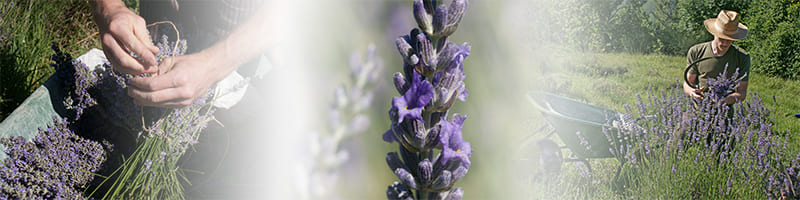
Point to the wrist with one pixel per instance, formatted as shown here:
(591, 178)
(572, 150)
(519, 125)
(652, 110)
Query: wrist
(219, 65)
(103, 8)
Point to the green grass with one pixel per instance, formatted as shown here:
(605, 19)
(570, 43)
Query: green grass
(27, 29)
(613, 80)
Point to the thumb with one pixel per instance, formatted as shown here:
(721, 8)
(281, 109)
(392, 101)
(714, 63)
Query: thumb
(166, 65)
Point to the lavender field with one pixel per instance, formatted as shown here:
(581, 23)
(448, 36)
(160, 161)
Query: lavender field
(424, 99)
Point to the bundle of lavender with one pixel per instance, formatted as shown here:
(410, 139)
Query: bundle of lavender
(434, 155)
(96, 99)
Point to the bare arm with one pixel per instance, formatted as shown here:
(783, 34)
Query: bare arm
(182, 79)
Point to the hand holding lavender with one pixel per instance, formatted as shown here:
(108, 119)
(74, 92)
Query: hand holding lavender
(432, 79)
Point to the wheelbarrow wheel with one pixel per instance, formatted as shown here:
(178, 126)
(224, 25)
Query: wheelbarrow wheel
(550, 157)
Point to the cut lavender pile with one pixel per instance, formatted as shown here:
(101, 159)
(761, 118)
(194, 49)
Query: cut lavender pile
(432, 153)
(56, 164)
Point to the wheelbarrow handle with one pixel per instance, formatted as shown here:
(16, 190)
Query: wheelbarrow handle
(686, 71)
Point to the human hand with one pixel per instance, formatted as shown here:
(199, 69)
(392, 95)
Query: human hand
(731, 98)
(179, 82)
(124, 33)
(698, 93)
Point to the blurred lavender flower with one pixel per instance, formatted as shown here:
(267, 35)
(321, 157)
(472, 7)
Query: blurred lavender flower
(431, 81)
(347, 118)
(56, 164)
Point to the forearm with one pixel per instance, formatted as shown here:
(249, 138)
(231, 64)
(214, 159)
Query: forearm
(101, 7)
(249, 39)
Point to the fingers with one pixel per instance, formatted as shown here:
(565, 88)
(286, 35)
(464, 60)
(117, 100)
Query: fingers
(169, 98)
(138, 47)
(122, 61)
(166, 65)
(159, 92)
(155, 83)
(132, 34)
(144, 37)
(165, 90)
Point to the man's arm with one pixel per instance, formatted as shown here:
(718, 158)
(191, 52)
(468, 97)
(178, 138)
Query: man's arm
(183, 79)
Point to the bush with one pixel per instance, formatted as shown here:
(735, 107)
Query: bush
(639, 26)
(772, 40)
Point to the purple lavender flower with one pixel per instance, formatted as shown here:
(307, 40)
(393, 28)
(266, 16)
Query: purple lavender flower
(705, 138)
(432, 78)
(454, 148)
(417, 96)
(56, 164)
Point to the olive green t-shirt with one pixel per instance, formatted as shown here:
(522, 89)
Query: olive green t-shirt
(736, 57)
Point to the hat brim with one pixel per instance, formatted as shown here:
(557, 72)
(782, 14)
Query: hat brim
(739, 34)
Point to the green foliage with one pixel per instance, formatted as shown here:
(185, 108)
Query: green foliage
(608, 25)
(692, 13)
(27, 28)
(773, 38)
(639, 26)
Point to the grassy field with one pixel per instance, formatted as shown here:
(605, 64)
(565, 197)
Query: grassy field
(613, 80)
(27, 30)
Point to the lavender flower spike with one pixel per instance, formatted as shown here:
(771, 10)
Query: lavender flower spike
(432, 78)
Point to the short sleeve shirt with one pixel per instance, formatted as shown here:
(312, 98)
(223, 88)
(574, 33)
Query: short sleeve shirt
(735, 58)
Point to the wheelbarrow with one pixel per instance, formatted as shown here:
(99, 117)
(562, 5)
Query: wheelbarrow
(580, 127)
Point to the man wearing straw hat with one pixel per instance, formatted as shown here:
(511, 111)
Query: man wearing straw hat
(709, 60)
(718, 55)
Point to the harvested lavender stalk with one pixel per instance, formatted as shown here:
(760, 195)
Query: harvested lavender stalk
(432, 153)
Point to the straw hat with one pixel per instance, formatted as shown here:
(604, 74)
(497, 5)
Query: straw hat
(727, 26)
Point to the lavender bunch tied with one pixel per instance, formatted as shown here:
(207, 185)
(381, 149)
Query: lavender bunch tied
(434, 154)
(723, 85)
(164, 135)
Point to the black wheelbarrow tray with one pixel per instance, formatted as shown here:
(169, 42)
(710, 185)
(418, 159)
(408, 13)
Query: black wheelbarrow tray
(580, 127)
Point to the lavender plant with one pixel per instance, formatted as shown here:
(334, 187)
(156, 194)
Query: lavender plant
(347, 118)
(434, 154)
(55, 164)
(703, 149)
